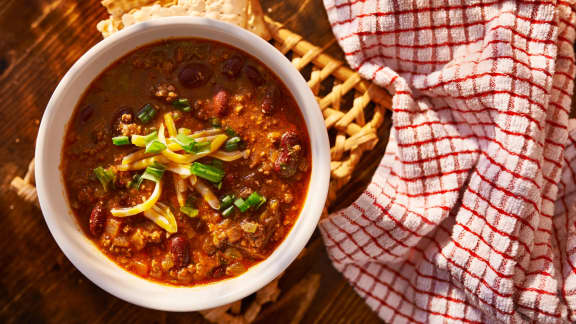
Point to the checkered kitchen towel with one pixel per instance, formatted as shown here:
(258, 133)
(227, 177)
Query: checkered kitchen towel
(470, 216)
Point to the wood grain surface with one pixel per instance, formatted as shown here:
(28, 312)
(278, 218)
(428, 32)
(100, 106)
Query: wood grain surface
(39, 41)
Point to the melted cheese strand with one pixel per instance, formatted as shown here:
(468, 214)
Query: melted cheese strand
(142, 164)
(138, 155)
(207, 194)
(230, 156)
(170, 125)
(162, 216)
(180, 188)
(140, 208)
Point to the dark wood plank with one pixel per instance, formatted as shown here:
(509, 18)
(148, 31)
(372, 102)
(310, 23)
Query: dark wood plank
(39, 41)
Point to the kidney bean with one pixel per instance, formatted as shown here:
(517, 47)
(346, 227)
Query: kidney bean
(85, 114)
(270, 101)
(253, 75)
(97, 219)
(288, 139)
(286, 163)
(220, 102)
(180, 250)
(195, 75)
(124, 115)
(219, 271)
(232, 66)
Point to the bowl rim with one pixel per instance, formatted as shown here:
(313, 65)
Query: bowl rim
(202, 296)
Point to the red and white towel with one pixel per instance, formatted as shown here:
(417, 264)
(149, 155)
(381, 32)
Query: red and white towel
(470, 216)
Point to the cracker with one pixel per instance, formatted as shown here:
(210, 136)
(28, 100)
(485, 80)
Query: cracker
(244, 13)
(117, 8)
(255, 20)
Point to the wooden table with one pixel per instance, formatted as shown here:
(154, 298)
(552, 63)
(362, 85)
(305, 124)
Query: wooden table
(39, 41)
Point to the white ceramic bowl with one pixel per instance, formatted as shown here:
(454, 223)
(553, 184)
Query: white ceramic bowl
(62, 223)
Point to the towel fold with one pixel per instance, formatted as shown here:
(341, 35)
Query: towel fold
(470, 217)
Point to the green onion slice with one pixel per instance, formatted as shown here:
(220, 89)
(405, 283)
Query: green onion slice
(190, 145)
(207, 172)
(153, 172)
(184, 140)
(105, 176)
(146, 114)
(216, 122)
(232, 144)
(228, 211)
(201, 147)
(192, 212)
(182, 104)
(136, 181)
(120, 140)
(142, 141)
(255, 200)
(155, 147)
(230, 132)
(226, 201)
(241, 204)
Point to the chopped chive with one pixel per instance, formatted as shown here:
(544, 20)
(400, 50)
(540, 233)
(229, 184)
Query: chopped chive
(184, 140)
(146, 114)
(191, 146)
(142, 141)
(201, 147)
(228, 211)
(216, 122)
(207, 172)
(241, 204)
(135, 182)
(192, 212)
(105, 176)
(226, 201)
(218, 185)
(153, 172)
(139, 182)
(120, 140)
(182, 104)
(255, 199)
(230, 132)
(261, 202)
(155, 147)
(232, 144)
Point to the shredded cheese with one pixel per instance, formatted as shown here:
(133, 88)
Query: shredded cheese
(162, 216)
(140, 208)
(170, 126)
(230, 156)
(142, 164)
(207, 194)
